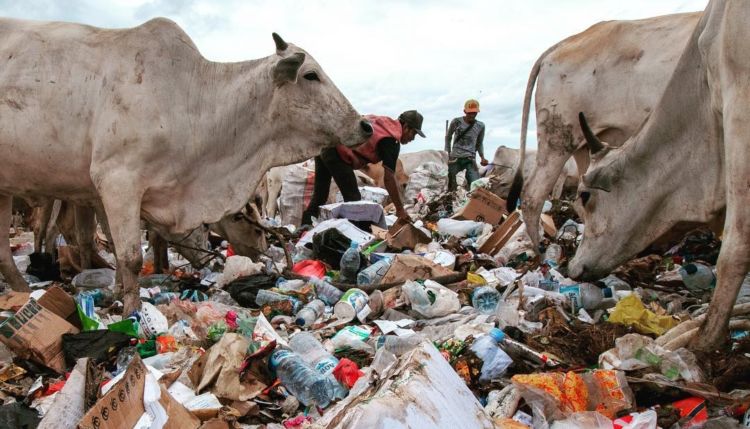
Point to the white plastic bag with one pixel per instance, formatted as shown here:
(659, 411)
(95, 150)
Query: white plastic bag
(95, 279)
(460, 228)
(237, 266)
(153, 322)
(443, 301)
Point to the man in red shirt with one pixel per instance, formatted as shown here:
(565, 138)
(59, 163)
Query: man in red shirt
(340, 162)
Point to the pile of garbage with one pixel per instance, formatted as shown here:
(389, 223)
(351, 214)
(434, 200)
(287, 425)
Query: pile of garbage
(363, 321)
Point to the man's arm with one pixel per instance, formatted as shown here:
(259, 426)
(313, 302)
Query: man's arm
(449, 136)
(391, 185)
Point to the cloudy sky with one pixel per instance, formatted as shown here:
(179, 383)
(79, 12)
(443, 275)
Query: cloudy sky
(386, 55)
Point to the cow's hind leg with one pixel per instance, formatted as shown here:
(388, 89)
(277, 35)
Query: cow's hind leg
(85, 229)
(123, 211)
(7, 267)
(44, 217)
(734, 259)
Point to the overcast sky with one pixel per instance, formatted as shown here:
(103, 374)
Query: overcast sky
(386, 56)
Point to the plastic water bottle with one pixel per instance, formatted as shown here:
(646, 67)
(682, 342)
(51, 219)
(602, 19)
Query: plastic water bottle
(697, 277)
(313, 353)
(264, 297)
(591, 296)
(310, 313)
(485, 299)
(289, 285)
(494, 360)
(300, 379)
(325, 291)
(399, 345)
(350, 262)
(374, 273)
(553, 255)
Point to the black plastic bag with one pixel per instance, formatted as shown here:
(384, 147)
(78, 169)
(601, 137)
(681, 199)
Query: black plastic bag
(100, 345)
(329, 246)
(18, 416)
(43, 267)
(244, 289)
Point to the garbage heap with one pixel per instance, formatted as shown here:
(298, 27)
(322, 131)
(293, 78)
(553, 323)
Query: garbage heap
(365, 322)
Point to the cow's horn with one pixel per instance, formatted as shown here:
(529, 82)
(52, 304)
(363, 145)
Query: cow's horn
(286, 69)
(595, 145)
(281, 45)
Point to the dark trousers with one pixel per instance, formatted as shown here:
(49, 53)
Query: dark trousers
(456, 167)
(330, 165)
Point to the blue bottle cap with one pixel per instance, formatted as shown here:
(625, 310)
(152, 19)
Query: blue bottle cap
(497, 334)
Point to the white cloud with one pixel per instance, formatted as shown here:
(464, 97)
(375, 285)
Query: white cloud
(386, 56)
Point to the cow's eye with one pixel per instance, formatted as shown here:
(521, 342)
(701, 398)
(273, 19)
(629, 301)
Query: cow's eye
(585, 195)
(238, 217)
(311, 76)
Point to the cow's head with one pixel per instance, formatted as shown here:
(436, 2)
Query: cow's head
(612, 206)
(307, 108)
(244, 232)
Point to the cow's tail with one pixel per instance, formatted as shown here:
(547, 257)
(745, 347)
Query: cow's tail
(515, 188)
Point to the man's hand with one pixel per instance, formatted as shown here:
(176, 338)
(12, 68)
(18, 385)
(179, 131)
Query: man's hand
(403, 215)
(484, 162)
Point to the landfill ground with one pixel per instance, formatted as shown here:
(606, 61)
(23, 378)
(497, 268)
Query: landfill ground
(464, 325)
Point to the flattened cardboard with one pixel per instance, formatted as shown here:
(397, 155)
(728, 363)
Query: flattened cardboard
(59, 302)
(122, 406)
(35, 333)
(484, 206)
(502, 234)
(413, 267)
(14, 300)
(404, 235)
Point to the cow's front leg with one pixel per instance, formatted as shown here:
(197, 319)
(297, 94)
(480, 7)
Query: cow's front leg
(44, 218)
(123, 211)
(7, 267)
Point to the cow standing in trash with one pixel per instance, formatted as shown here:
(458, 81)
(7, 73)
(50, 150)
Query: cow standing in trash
(131, 117)
(690, 162)
(616, 70)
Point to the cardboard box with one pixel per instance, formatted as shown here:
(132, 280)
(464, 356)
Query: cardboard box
(403, 235)
(484, 206)
(413, 267)
(502, 234)
(355, 211)
(123, 405)
(35, 333)
(548, 225)
(59, 302)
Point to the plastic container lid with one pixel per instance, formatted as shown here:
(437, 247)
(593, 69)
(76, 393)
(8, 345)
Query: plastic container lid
(497, 334)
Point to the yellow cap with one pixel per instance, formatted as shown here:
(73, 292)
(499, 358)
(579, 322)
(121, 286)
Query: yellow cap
(471, 106)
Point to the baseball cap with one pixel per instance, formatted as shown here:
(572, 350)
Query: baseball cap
(413, 119)
(471, 106)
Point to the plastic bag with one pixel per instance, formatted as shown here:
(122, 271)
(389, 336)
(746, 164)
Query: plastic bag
(631, 311)
(584, 420)
(237, 266)
(460, 228)
(153, 322)
(95, 279)
(101, 345)
(431, 299)
(244, 289)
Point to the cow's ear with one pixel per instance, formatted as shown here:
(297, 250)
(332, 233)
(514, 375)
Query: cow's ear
(281, 45)
(602, 178)
(286, 69)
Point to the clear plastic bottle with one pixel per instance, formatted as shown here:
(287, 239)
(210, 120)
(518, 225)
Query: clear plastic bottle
(591, 296)
(325, 291)
(289, 285)
(265, 296)
(697, 277)
(553, 255)
(485, 299)
(350, 263)
(399, 345)
(300, 379)
(310, 313)
(494, 360)
(313, 353)
(374, 273)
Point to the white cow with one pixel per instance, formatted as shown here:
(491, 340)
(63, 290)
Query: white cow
(136, 115)
(616, 70)
(506, 161)
(690, 162)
